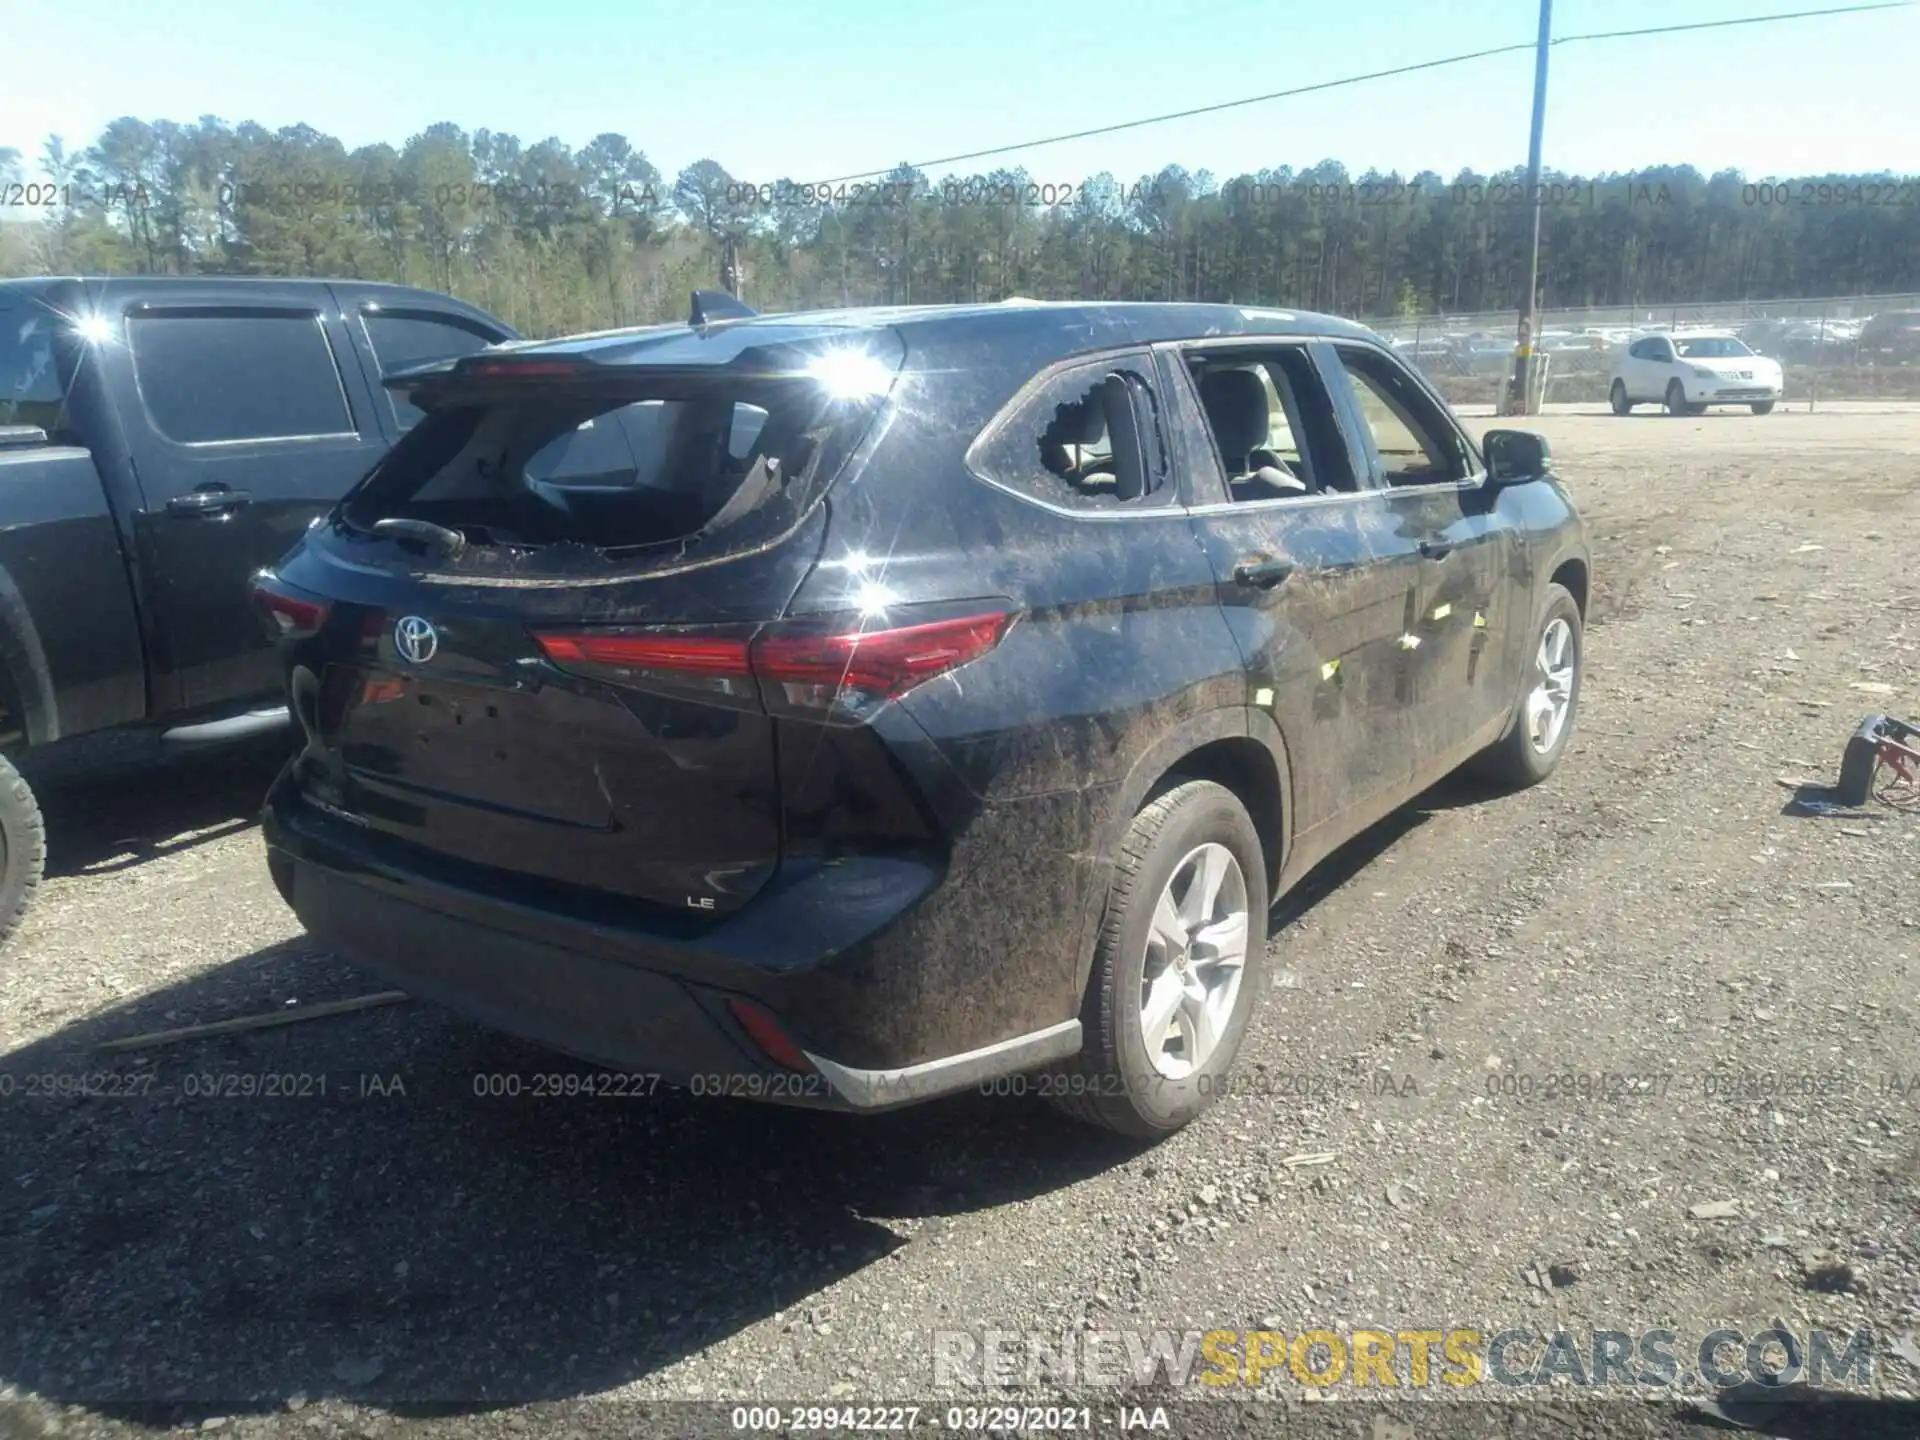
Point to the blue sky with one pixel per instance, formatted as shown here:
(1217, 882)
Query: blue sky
(833, 86)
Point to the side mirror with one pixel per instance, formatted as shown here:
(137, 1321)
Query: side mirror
(19, 437)
(1516, 456)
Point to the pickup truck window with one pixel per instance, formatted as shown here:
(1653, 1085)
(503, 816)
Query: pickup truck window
(402, 338)
(32, 383)
(227, 374)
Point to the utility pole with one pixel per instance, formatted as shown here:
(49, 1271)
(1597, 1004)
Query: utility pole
(1519, 395)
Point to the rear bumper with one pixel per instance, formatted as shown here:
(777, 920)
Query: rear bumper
(638, 1000)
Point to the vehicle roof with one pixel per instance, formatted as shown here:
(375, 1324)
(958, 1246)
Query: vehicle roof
(164, 280)
(42, 284)
(1028, 321)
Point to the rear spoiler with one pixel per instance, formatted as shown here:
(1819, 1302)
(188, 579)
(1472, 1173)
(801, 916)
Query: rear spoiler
(710, 307)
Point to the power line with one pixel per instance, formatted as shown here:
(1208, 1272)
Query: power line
(1722, 24)
(1198, 110)
(1360, 79)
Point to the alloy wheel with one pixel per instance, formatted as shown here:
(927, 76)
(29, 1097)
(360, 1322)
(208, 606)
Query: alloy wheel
(1551, 698)
(1196, 956)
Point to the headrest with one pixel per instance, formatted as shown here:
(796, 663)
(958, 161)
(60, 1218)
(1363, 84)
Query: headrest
(1076, 423)
(1236, 405)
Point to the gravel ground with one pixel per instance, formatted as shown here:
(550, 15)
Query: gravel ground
(398, 1253)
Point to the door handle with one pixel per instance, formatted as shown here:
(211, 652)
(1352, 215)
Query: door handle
(207, 501)
(1436, 549)
(1262, 574)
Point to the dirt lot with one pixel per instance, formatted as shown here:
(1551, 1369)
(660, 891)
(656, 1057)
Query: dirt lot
(400, 1248)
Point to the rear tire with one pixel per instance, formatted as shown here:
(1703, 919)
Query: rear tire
(1195, 834)
(1519, 759)
(1617, 397)
(23, 849)
(1763, 407)
(1676, 398)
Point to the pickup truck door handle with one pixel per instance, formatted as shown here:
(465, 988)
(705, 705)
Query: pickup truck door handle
(1435, 549)
(1262, 574)
(208, 500)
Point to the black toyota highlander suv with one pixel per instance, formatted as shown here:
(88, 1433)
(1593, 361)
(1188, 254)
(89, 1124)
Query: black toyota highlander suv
(853, 707)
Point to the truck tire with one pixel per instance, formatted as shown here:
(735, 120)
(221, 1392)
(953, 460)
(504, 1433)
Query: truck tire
(23, 848)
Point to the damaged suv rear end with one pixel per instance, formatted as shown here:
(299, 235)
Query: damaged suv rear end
(602, 741)
(850, 708)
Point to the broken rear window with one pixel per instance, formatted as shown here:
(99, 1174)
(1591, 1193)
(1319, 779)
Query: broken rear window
(638, 462)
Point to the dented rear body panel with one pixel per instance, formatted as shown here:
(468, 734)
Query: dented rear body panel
(860, 752)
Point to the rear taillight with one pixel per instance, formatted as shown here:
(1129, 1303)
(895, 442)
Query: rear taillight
(883, 663)
(286, 612)
(660, 651)
(830, 672)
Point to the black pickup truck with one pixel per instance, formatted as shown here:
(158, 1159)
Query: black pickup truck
(161, 439)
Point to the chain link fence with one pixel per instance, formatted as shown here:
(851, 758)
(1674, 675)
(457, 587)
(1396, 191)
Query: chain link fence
(1860, 347)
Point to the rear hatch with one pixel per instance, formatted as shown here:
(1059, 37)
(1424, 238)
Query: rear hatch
(520, 646)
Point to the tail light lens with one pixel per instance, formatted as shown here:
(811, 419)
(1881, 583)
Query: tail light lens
(840, 672)
(661, 651)
(883, 663)
(286, 612)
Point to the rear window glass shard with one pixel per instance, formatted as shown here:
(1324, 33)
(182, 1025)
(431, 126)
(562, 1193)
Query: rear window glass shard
(625, 463)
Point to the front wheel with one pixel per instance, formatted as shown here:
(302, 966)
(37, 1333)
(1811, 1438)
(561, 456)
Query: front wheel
(1676, 398)
(23, 848)
(1763, 407)
(1181, 959)
(1535, 741)
(1617, 397)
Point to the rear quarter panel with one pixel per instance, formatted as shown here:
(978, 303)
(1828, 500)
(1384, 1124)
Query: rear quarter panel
(1026, 757)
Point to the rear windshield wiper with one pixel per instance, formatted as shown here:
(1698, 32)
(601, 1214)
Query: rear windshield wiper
(450, 542)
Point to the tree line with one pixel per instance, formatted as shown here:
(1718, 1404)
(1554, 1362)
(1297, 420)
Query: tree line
(555, 238)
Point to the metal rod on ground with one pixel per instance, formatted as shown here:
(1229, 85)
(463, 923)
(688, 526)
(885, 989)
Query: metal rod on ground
(1520, 392)
(257, 1022)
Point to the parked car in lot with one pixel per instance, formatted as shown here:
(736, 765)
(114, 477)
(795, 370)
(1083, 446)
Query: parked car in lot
(1563, 342)
(160, 440)
(853, 707)
(1891, 338)
(1482, 353)
(1801, 341)
(1690, 370)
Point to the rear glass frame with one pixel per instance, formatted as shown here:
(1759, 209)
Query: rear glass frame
(815, 435)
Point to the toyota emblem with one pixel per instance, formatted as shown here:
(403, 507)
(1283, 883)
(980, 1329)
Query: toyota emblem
(415, 639)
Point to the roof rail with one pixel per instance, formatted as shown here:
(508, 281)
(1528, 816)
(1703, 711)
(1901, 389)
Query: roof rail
(712, 305)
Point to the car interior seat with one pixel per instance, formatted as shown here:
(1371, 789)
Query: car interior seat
(1236, 404)
(1073, 446)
